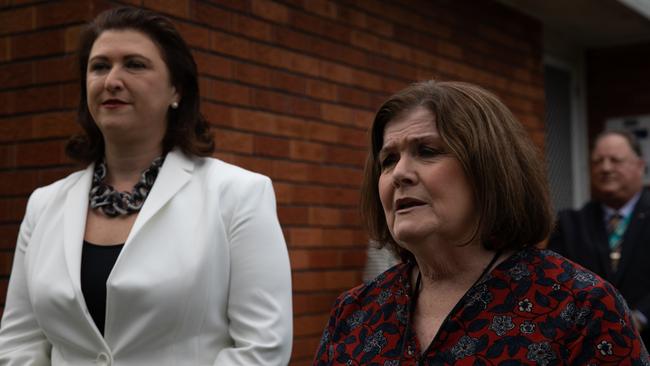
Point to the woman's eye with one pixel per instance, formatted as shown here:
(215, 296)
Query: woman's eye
(99, 66)
(427, 151)
(388, 161)
(135, 65)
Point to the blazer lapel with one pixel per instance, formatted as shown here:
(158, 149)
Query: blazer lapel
(174, 174)
(74, 225)
(596, 230)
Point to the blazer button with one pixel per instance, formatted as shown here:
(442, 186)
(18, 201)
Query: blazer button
(102, 359)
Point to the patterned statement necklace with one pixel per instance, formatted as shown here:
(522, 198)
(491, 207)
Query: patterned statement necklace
(112, 203)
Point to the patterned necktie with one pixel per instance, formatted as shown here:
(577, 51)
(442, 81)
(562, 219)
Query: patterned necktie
(614, 239)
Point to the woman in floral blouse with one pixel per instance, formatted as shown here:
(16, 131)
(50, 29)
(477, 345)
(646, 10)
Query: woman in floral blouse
(456, 188)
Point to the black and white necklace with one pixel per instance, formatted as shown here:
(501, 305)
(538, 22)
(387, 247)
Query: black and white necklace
(112, 203)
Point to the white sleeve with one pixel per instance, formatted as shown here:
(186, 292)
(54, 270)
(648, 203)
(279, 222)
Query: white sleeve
(22, 343)
(259, 302)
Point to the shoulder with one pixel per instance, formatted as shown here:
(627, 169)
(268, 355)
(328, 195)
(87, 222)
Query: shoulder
(390, 286)
(219, 172)
(566, 281)
(41, 196)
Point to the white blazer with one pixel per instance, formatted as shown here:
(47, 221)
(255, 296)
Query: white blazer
(203, 278)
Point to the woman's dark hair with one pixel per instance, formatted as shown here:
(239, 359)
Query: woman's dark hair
(502, 164)
(186, 127)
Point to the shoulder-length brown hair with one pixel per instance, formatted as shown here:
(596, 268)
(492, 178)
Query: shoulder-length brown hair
(502, 164)
(186, 127)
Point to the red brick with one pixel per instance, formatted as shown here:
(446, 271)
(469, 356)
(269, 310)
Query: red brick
(337, 113)
(7, 155)
(325, 280)
(40, 153)
(231, 93)
(5, 48)
(214, 65)
(325, 238)
(300, 63)
(291, 171)
(69, 95)
(229, 140)
(252, 27)
(218, 115)
(54, 124)
(271, 101)
(323, 8)
(8, 235)
(173, 7)
(3, 290)
(232, 45)
(336, 72)
(18, 182)
(271, 146)
(288, 82)
(55, 70)
(194, 36)
(51, 175)
(270, 10)
(345, 155)
(366, 41)
(211, 15)
(71, 38)
(314, 259)
(292, 215)
(252, 74)
(243, 6)
(289, 193)
(304, 349)
(303, 150)
(12, 209)
(37, 44)
(354, 258)
(6, 260)
(13, 75)
(325, 216)
(354, 96)
(63, 12)
(305, 325)
(336, 175)
(306, 303)
(304, 107)
(322, 90)
(17, 20)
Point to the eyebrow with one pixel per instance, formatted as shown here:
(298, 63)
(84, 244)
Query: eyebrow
(128, 56)
(410, 140)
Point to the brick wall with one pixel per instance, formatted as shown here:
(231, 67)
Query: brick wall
(290, 87)
(617, 83)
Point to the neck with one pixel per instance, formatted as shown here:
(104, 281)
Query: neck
(457, 265)
(125, 165)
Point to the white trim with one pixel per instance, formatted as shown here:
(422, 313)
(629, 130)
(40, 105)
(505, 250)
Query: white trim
(641, 7)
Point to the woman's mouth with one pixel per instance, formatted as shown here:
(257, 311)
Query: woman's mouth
(113, 103)
(405, 204)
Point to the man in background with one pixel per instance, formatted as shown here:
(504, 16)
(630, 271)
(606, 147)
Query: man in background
(610, 235)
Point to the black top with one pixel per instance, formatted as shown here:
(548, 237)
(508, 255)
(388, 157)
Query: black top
(97, 261)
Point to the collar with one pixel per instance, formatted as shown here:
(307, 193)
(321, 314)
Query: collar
(625, 211)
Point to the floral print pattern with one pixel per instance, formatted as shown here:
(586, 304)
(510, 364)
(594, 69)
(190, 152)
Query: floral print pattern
(535, 308)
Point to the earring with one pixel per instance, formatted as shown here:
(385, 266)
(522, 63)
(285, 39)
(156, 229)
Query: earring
(174, 105)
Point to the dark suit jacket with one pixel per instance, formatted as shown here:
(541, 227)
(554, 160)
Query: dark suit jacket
(581, 237)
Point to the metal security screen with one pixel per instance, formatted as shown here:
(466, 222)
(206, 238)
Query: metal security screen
(557, 85)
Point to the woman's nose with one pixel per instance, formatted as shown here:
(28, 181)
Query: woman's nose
(403, 172)
(113, 81)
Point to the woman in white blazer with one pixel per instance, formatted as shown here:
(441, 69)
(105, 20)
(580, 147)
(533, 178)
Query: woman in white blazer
(155, 254)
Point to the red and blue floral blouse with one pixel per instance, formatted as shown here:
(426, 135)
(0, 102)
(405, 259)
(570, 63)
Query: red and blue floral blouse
(534, 308)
